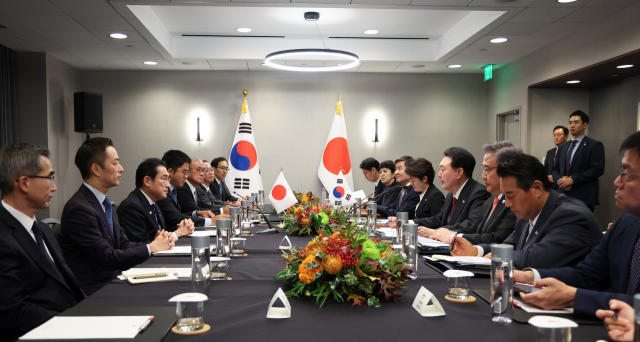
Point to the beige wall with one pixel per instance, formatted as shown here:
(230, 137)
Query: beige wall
(147, 113)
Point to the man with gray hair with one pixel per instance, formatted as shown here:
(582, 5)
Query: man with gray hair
(495, 222)
(35, 280)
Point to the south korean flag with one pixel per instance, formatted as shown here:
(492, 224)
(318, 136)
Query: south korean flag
(340, 194)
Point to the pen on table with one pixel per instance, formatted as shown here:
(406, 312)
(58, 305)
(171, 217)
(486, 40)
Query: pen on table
(386, 223)
(453, 242)
(515, 304)
(146, 325)
(615, 314)
(145, 276)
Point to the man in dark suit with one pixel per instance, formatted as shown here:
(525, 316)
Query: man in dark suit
(371, 171)
(612, 269)
(560, 136)
(421, 174)
(92, 240)
(579, 163)
(552, 230)
(407, 198)
(178, 165)
(219, 186)
(139, 214)
(188, 196)
(466, 196)
(206, 199)
(35, 280)
(495, 222)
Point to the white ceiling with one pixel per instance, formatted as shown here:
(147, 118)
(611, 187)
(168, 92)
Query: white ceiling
(76, 31)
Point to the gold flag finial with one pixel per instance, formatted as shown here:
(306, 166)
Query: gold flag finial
(339, 106)
(281, 169)
(244, 104)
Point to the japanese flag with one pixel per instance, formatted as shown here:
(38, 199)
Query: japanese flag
(340, 193)
(336, 152)
(244, 168)
(281, 195)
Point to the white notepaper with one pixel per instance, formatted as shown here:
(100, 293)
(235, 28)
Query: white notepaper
(180, 250)
(279, 312)
(551, 322)
(96, 327)
(173, 272)
(421, 304)
(461, 260)
(288, 243)
(534, 309)
(204, 233)
(425, 242)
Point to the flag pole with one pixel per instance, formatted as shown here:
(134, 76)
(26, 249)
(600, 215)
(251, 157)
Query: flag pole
(244, 104)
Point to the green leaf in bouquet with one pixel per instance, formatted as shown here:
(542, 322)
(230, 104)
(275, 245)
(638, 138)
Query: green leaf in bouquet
(373, 301)
(351, 279)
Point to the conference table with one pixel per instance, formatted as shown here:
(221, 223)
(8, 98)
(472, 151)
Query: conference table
(236, 310)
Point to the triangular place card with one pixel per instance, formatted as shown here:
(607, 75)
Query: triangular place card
(421, 304)
(274, 312)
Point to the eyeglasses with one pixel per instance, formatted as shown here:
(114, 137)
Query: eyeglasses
(222, 168)
(626, 176)
(50, 178)
(163, 180)
(198, 170)
(487, 170)
(207, 170)
(186, 173)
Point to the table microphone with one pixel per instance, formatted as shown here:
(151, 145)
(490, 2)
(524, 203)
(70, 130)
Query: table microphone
(270, 230)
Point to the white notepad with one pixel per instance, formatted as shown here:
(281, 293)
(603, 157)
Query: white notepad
(95, 327)
(425, 242)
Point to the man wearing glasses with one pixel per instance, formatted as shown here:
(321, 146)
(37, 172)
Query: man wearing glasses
(188, 197)
(206, 199)
(219, 186)
(138, 213)
(612, 269)
(35, 280)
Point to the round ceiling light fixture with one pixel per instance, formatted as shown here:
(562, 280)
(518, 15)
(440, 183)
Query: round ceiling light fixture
(150, 63)
(624, 66)
(117, 35)
(573, 82)
(566, 1)
(371, 32)
(498, 40)
(243, 29)
(453, 66)
(351, 59)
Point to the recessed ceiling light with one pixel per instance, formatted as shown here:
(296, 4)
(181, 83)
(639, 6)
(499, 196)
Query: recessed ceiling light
(498, 40)
(243, 29)
(573, 82)
(371, 32)
(624, 66)
(566, 1)
(150, 63)
(188, 63)
(418, 66)
(453, 66)
(118, 35)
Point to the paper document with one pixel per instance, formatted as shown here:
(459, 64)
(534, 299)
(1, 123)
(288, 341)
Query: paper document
(172, 274)
(464, 260)
(534, 309)
(204, 233)
(386, 232)
(179, 250)
(98, 327)
(425, 242)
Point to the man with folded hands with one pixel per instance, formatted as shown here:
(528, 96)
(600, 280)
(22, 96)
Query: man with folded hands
(612, 269)
(552, 230)
(139, 214)
(495, 222)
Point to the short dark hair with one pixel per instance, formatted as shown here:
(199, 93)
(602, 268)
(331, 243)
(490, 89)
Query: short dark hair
(92, 151)
(19, 160)
(405, 159)
(388, 164)
(632, 142)
(461, 158)
(370, 164)
(583, 116)
(174, 159)
(564, 129)
(148, 167)
(421, 168)
(216, 161)
(526, 169)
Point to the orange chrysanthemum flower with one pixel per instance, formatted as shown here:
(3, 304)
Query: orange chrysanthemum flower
(314, 247)
(306, 275)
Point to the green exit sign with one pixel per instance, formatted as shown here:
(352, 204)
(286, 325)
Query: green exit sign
(488, 72)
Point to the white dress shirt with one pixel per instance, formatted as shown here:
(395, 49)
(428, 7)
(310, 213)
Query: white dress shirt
(152, 202)
(26, 222)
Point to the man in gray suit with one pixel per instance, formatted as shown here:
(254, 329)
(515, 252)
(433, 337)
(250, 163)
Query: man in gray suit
(552, 230)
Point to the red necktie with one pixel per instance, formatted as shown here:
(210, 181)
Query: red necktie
(453, 207)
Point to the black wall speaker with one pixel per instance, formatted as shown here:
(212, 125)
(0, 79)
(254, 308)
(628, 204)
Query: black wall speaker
(87, 109)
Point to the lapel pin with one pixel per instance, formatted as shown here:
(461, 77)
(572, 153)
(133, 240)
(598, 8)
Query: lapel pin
(536, 233)
(462, 201)
(150, 212)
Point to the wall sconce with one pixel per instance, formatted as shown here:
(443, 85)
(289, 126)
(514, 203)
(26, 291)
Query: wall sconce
(198, 137)
(375, 139)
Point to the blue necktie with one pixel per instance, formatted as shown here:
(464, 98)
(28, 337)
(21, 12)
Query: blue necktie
(567, 160)
(220, 191)
(155, 214)
(174, 195)
(38, 234)
(107, 212)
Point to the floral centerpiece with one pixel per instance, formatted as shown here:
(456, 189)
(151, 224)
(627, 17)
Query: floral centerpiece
(346, 265)
(309, 217)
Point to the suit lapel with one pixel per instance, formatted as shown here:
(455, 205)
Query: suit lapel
(546, 212)
(29, 244)
(97, 207)
(496, 212)
(581, 146)
(563, 158)
(147, 207)
(462, 200)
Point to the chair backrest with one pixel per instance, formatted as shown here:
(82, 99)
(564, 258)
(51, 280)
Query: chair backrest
(54, 224)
